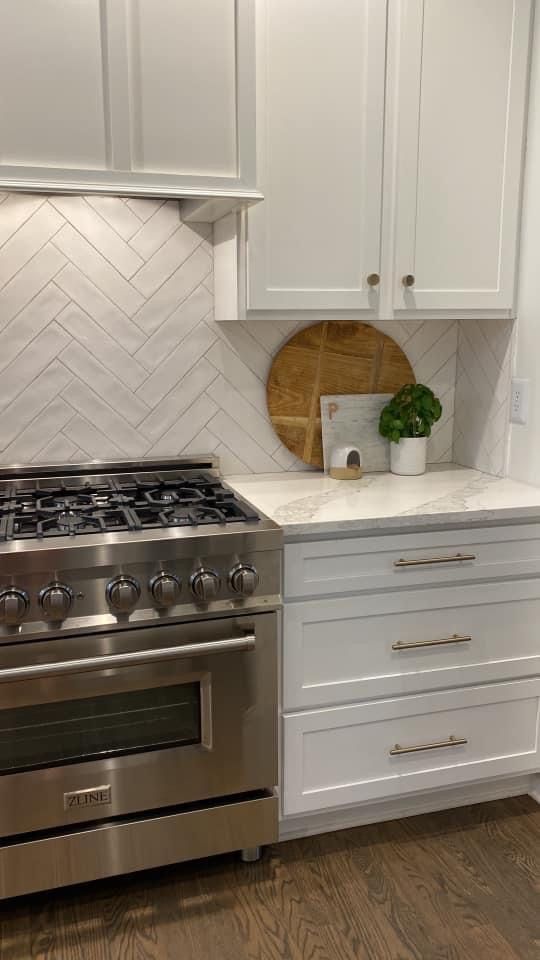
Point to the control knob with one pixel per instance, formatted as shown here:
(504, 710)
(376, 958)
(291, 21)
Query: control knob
(244, 579)
(123, 593)
(165, 589)
(205, 585)
(55, 601)
(13, 606)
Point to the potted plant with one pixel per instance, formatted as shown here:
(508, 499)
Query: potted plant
(407, 421)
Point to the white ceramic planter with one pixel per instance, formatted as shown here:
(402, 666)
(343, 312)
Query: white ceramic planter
(408, 457)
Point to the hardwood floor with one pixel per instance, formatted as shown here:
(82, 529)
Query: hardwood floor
(458, 885)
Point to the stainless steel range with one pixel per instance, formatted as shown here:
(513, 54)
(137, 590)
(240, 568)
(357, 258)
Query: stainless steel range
(138, 678)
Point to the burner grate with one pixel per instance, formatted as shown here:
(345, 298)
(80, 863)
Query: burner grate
(83, 505)
(27, 526)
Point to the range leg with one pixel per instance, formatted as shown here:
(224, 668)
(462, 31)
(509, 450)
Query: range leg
(251, 854)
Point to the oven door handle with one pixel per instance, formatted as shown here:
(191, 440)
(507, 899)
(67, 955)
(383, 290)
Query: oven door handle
(131, 659)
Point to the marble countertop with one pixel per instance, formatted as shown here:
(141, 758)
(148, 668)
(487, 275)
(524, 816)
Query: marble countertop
(311, 504)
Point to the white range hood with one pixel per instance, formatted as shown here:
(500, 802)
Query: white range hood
(149, 99)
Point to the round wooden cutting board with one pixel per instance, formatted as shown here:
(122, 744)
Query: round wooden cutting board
(335, 357)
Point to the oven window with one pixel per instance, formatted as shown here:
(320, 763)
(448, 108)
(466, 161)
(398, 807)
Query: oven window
(78, 730)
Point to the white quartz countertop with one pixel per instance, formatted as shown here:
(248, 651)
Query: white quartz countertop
(311, 504)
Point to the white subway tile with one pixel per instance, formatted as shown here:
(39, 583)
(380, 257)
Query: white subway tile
(97, 232)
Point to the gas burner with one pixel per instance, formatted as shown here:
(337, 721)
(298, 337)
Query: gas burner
(167, 495)
(67, 503)
(69, 520)
(176, 518)
(207, 515)
(204, 513)
(160, 498)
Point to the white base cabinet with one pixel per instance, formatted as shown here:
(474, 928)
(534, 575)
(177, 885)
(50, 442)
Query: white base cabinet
(400, 686)
(351, 754)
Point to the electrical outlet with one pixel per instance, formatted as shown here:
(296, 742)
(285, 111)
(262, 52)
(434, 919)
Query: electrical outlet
(519, 406)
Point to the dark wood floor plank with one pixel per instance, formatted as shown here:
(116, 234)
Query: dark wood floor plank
(419, 908)
(320, 890)
(356, 911)
(473, 876)
(487, 853)
(443, 896)
(458, 885)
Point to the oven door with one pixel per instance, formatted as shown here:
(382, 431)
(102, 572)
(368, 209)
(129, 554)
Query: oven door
(139, 720)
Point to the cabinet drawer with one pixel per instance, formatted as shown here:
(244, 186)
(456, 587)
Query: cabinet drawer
(358, 648)
(347, 755)
(329, 567)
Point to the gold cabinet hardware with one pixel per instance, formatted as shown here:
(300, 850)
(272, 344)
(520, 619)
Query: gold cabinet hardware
(408, 280)
(397, 750)
(423, 561)
(455, 638)
(373, 280)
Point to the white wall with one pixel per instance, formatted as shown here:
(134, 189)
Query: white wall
(524, 455)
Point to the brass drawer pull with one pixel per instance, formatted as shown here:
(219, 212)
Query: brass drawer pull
(455, 638)
(423, 561)
(451, 742)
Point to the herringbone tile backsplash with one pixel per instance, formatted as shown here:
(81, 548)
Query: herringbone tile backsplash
(109, 350)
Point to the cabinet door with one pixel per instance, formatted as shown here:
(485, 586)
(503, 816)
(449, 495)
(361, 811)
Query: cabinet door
(320, 73)
(51, 77)
(461, 95)
(183, 72)
(128, 96)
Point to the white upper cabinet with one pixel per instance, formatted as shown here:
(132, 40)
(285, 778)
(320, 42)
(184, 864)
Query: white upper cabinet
(443, 85)
(462, 83)
(132, 96)
(184, 70)
(320, 108)
(51, 78)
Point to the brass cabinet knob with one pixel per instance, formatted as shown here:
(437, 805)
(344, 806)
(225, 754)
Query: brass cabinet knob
(373, 280)
(408, 280)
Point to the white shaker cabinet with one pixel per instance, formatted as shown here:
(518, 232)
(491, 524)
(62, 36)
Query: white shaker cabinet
(128, 96)
(460, 111)
(389, 147)
(52, 80)
(320, 110)
(410, 663)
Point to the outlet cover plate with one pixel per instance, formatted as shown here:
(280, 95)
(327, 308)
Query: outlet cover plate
(519, 403)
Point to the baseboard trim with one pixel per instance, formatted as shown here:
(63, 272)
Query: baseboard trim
(291, 828)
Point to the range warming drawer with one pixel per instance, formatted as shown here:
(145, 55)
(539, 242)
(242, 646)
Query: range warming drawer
(126, 846)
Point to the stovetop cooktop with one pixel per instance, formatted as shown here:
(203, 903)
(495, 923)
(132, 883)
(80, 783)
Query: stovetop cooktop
(76, 505)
